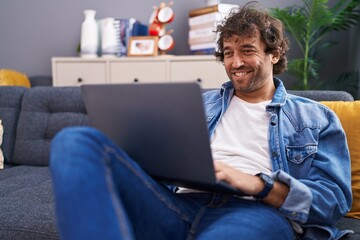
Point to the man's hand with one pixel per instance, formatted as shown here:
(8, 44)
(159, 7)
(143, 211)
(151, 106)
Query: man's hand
(250, 184)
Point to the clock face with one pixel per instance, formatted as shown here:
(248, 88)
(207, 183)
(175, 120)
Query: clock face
(166, 42)
(165, 15)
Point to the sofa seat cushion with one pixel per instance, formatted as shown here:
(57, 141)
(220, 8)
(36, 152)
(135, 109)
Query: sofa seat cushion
(350, 223)
(26, 204)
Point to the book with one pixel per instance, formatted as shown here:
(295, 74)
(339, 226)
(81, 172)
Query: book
(202, 32)
(207, 51)
(201, 46)
(220, 8)
(199, 40)
(205, 48)
(206, 18)
(204, 25)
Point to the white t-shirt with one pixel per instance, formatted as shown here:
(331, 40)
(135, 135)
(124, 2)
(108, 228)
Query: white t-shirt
(241, 137)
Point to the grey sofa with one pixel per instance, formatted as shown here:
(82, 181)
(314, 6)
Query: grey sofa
(31, 118)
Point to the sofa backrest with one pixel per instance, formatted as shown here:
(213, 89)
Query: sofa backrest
(319, 95)
(45, 111)
(322, 95)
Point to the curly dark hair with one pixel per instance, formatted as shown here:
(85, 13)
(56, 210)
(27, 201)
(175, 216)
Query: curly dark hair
(245, 21)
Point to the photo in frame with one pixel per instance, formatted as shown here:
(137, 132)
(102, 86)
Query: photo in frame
(143, 46)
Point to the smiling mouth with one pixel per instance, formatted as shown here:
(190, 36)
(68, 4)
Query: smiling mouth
(240, 74)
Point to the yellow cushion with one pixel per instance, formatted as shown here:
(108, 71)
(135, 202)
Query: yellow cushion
(349, 115)
(13, 78)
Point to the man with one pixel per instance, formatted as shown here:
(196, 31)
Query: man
(288, 154)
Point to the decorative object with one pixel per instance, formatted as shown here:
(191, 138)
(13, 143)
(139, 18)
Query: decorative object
(143, 46)
(166, 43)
(108, 38)
(309, 25)
(9, 77)
(160, 17)
(89, 35)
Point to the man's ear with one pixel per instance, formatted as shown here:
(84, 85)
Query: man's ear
(274, 59)
(275, 56)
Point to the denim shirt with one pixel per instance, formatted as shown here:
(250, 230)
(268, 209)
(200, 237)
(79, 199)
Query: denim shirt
(309, 153)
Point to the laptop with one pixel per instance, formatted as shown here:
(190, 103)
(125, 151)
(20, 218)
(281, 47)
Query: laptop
(161, 126)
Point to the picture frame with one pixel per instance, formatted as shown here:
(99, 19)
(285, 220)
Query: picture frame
(143, 46)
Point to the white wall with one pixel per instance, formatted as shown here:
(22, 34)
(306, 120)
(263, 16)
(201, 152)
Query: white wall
(31, 32)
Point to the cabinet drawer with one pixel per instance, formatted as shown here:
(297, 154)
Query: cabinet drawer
(73, 74)
(129, 72)
(210, 74)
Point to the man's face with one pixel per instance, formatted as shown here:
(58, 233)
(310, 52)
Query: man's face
(247, 64)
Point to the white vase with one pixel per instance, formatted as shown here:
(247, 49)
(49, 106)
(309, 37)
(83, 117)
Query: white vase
(89, 35)
(108, 38)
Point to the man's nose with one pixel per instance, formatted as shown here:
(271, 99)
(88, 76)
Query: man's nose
(237, 60)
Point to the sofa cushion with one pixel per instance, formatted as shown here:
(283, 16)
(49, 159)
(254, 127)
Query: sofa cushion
(352, 224)
(45, 111)
(10, 103)
(9, 77)
(349, 115)
(26, 204)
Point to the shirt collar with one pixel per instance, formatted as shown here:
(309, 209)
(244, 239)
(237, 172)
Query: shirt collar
(278, 99)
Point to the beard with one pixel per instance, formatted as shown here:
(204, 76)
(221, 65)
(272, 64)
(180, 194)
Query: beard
(253, 80)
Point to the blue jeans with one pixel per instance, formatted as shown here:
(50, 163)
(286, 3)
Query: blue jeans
(101, 193)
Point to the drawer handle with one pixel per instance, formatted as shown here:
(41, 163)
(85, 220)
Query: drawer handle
(80, 80)
(136, 80)
(199, 80)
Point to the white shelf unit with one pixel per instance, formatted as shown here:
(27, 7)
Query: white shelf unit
(73, 71)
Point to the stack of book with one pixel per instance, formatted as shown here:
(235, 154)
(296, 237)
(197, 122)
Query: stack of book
(202, 26)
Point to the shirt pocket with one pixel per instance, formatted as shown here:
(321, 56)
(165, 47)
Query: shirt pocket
(300, 159)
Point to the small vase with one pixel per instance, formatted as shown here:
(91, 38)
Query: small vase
(89, 35)
(108, 38)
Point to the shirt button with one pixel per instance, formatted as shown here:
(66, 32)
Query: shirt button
(297, 157)
(293, 214)
(274, 154)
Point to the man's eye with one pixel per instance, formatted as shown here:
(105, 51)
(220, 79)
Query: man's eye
(248, 52)
(227, 53)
